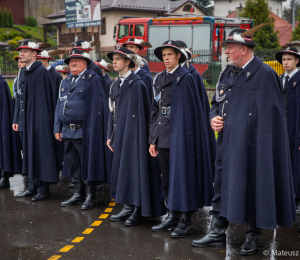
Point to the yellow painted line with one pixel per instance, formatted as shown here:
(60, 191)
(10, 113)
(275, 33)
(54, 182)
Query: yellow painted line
(96, 223)
(66, 249)
(108, 209)
(55, 257)
(111, 204)
(88, 231)
(104, 215)
(77, 239)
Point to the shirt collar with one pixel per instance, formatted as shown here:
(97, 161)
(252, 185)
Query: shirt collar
(126, 75)
(104, 74)
(248, 62)
(137, 70)
(80, 74)
(49, 67)
(28, 67)
(291, 74)
(171, 72)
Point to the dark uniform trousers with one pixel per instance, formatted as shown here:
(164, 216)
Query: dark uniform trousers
(164, 160)
(73, 157)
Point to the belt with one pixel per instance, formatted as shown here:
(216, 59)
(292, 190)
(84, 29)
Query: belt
(74, 126)
(163, 110)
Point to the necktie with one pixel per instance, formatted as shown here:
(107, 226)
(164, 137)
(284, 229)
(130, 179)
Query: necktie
(119, 82)
(74, 81)
(236, 72)
(286, 83)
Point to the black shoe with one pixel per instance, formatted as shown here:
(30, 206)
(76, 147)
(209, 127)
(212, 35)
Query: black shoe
(77, 197)
(90, 201)
(136, 218)
(40, 197)
(250, 245)
(4, 183)
(298, 206)
(184, 227)
(124, 214)
(26, 193)
(71, 186)
(216, 235)
(170, 222)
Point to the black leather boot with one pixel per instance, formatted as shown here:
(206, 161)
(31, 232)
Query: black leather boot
(216, 235)
(124, 214)
(184, 227)
(4, 182)
(136, 218)
(90, 201)
(298, 206)
(253, 233)
(77, 197)
(170, 222)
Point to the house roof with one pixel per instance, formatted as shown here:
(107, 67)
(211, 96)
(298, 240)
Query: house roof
(4, 44)
(133, 5)
(285, 28)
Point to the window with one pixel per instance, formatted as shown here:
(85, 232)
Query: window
(139, 30)
(84, 29)
(131, 30)
(123, 30)
(187, 8)
(103, 25)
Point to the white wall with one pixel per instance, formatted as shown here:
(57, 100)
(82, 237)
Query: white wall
(222, 7)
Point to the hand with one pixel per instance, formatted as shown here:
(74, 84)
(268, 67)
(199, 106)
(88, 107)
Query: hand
(58, 136)
(152, 150)
(107, 143)
(217, 124)
(15, 127)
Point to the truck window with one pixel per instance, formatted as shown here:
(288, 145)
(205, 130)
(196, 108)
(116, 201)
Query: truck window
(131, 30)
(139, 30)
(123, 30)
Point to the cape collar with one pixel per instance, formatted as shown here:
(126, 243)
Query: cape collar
(33, 65)
(250, 69)
(180, 75)
(295, 79)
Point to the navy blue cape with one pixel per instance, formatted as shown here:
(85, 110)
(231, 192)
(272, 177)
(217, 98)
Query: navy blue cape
(39, 156)
(136, 178)
(10, 149)
(147, 79)
(191, 177)
(257, 185)
(96, 156)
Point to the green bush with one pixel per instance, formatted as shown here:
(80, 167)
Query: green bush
(10, 20)
(30, 21)
(5, 19)
(13, 43)
(18, 38)
(28, 35)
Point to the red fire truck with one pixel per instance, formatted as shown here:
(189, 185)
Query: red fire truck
(203, 34)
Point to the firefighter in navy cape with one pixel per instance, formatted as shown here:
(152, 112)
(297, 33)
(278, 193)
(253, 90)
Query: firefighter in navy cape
(81, 120)
(145, 76)
(108, 81)
(179, 137)
(136, 180)
(10, 149)
(33, 119)
(136, 45)
(203, 97)
(290, 59)
(253, 178)
(16, 80)
(56, 79)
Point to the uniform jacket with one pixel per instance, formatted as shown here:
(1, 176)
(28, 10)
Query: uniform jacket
(256, 179)
(191, 178)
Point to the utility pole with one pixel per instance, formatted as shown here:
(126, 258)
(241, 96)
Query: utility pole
(293, 13)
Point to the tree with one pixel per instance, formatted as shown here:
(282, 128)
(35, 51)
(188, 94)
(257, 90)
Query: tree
(258, 10)
(296, 32)
(30, 21)
(10, 20)
(44, 11)
(1, 18)
(206, 5)
(287, 12)
(5, 19)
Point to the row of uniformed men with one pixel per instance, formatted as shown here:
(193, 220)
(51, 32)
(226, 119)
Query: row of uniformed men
(182, 140)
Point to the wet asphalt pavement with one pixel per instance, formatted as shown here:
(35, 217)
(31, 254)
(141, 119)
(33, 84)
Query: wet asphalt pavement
(42, 230)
